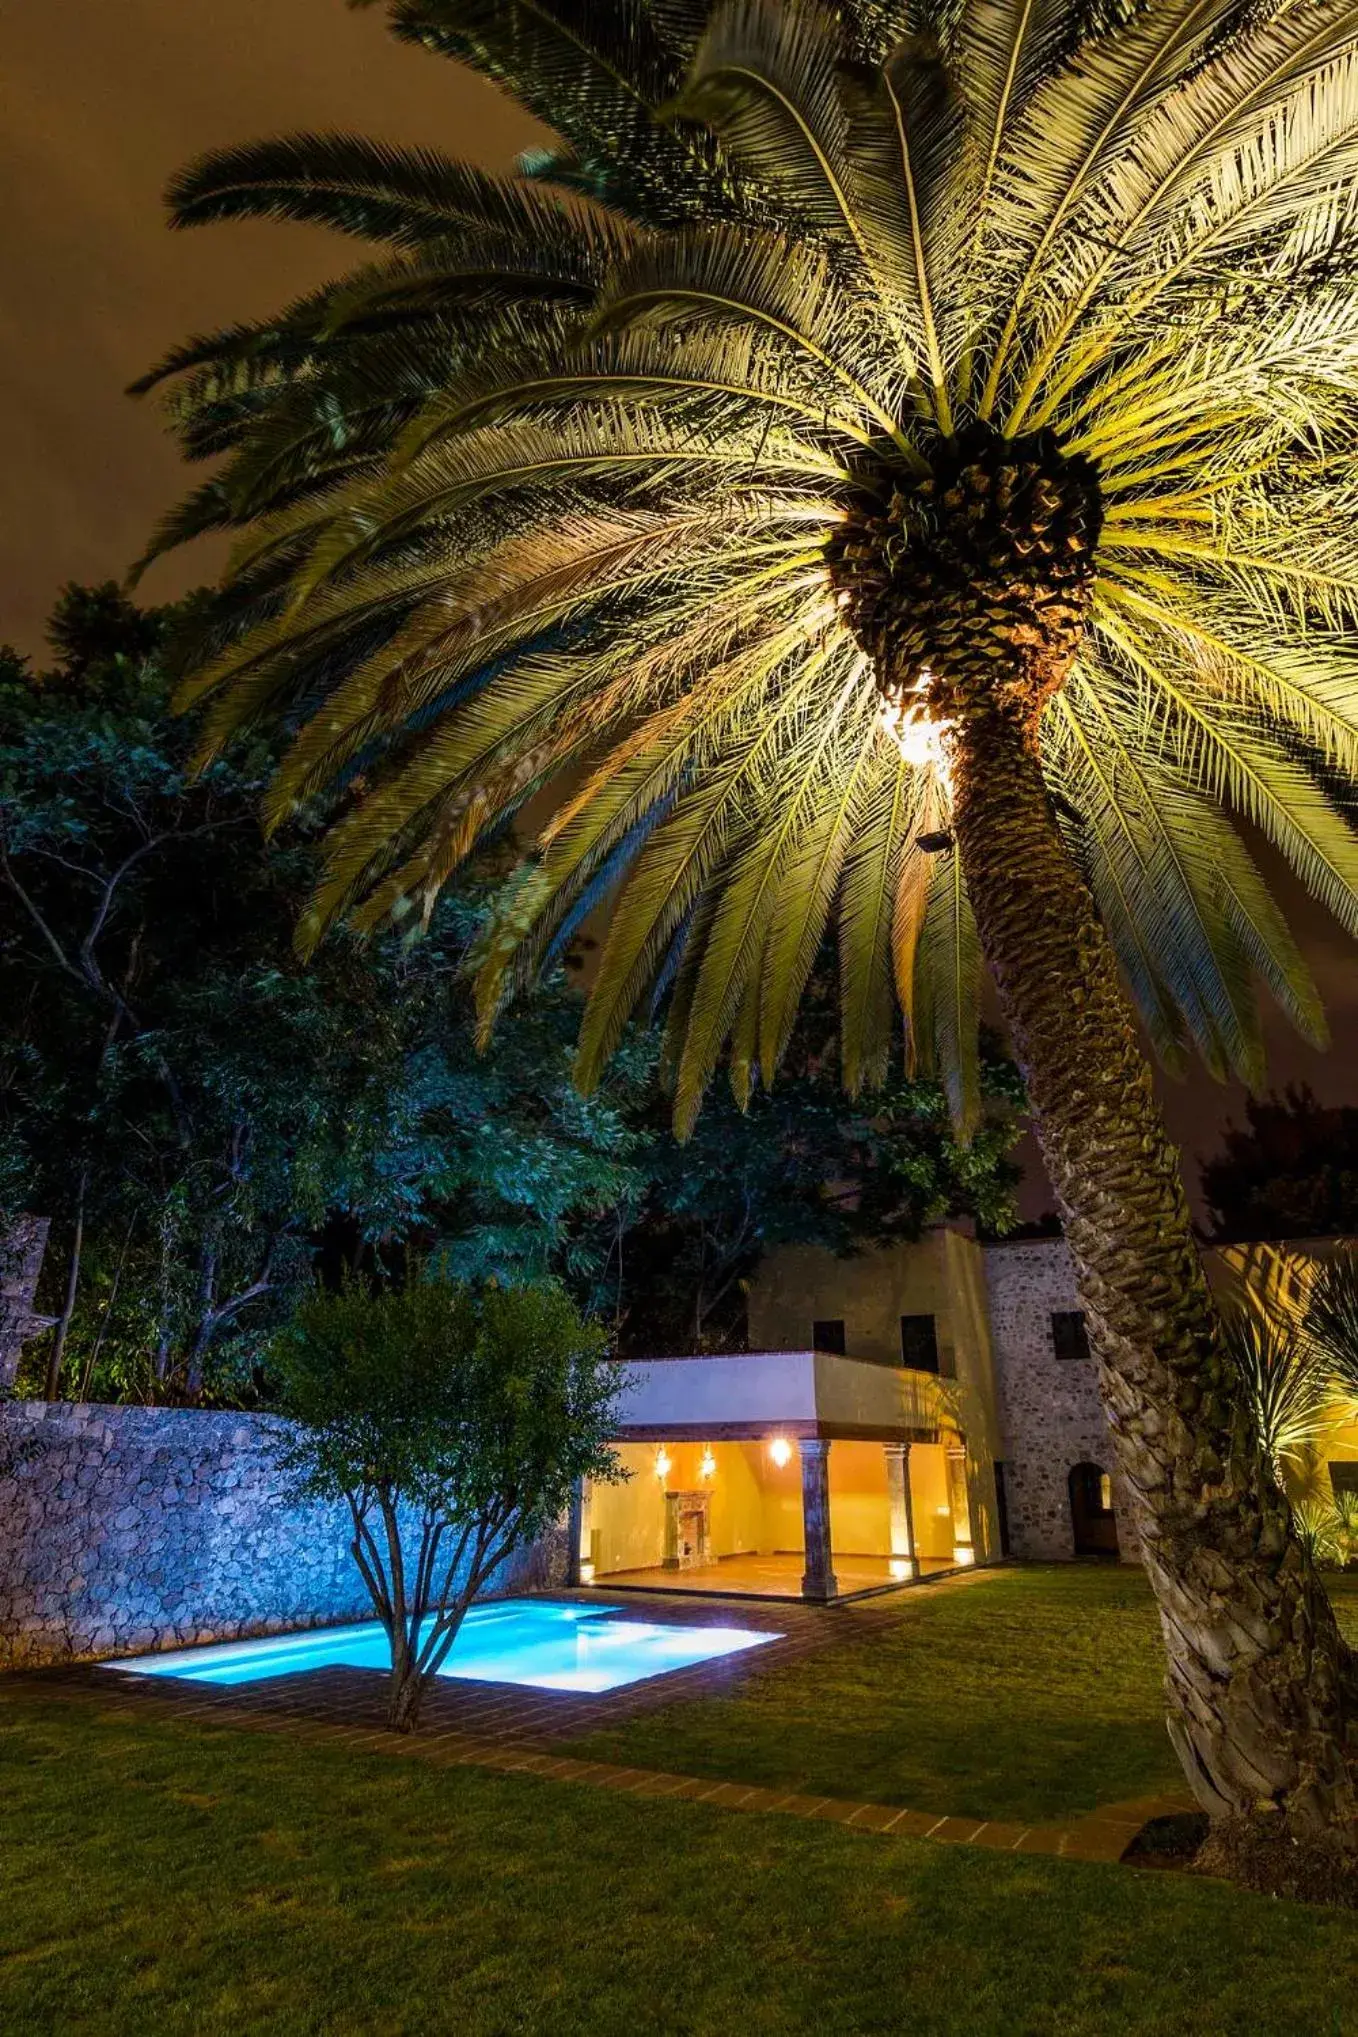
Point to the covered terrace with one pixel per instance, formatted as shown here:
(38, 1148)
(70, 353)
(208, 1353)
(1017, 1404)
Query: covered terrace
(782, 1474)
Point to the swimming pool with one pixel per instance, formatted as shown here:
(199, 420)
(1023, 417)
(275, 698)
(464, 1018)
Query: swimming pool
(542, 1643)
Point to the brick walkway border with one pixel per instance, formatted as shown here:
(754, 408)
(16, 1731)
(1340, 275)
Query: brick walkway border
(504, 1727)
(496, 1712)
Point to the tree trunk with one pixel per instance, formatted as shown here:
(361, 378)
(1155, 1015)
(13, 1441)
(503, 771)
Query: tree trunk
(1262, 1693)
(196, 1361)
(406, 1693)
(55, 1357)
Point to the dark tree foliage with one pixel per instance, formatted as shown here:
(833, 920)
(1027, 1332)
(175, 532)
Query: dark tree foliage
(188, 1103)
(201, 1115)
(1291, 1171)
(803, 1164)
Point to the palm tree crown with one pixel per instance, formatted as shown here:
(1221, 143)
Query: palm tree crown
(717, 468)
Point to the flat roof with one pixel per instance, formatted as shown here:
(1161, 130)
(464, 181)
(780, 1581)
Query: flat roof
(746, 1396)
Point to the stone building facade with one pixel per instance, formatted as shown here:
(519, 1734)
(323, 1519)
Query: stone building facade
(1052, 1422)
(126, 1529)
(1002, 1323)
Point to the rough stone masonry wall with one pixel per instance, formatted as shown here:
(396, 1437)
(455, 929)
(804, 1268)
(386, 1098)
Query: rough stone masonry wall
(127, 1529)
(1050, 1413)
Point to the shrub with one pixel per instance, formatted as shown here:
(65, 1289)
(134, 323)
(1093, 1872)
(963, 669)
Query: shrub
(455, 1425)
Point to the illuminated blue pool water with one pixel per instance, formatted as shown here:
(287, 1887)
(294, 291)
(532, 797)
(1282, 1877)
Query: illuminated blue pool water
(547, 1644)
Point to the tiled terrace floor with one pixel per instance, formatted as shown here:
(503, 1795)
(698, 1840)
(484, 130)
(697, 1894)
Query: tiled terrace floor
(777, 1577)
(510, 1729)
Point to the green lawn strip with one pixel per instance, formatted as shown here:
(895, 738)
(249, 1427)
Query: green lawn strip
(159, 1875)
(1028, 1694)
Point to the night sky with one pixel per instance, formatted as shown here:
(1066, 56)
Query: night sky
(99, 104)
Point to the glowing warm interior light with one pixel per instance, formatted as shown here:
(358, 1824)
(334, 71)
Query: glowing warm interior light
(708, 1467)
(781, 1451)
(663, 1462)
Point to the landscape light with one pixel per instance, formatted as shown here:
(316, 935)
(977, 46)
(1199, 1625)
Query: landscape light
(919, 738)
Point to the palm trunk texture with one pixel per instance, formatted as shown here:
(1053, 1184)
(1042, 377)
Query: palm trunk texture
(1262, 1696)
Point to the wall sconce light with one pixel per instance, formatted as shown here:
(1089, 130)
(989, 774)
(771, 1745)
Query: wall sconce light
(780, 1450)
(663, 1462)
(708, 1467)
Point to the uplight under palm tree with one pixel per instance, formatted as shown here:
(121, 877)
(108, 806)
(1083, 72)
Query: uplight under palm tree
(889, 474)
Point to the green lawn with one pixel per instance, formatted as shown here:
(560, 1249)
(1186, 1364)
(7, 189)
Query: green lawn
(162, 1877)
(1026, 1694)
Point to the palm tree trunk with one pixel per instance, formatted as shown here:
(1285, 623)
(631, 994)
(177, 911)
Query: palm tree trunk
(1262, 1694)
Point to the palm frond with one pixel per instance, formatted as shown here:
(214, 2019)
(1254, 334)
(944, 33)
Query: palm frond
(1283, 1383)
(765, 80)
(612, 490)
(369, 189)
(871, 882)
(947, 990)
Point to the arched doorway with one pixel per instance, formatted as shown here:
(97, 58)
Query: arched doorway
(1091, 1511)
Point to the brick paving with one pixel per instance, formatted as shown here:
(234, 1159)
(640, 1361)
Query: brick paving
(356, 1698)
(511, 1730)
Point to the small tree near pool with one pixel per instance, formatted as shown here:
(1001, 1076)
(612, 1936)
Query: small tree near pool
(455, 1425)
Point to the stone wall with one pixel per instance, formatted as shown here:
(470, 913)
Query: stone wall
(1050, 1412)
(127, 1529)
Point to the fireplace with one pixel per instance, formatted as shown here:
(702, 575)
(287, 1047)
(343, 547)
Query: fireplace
(687, 1532)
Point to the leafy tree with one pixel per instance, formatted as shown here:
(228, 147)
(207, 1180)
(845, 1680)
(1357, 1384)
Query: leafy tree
(455, 1426)
(188, 1103)
(891, 464)
(162, 1094)
(1291, 1171)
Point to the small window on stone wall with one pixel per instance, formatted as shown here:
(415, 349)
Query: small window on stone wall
(1070, 1339)
(827, 1334)
(919, 1343)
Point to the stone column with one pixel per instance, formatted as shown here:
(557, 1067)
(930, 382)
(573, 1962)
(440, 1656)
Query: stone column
(963, 1549)
(580, 1566)
(818, 1579)
(900, 1511)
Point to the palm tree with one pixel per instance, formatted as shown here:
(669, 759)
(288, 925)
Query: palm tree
(1332, 1325)
(891, 471)
(1287, 1383)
